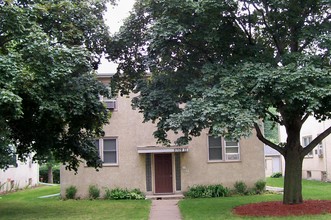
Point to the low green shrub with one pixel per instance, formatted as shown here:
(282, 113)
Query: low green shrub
(94, 192)
(259, 186)
(71, 192)
(276, 175)
(119, 193)
(240, 188)
(207, 191)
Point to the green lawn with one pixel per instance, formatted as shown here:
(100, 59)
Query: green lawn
(26, 205)
(221, 208)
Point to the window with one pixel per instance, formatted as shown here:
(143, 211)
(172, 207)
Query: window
(221, 149)
(231, 150)
(305, 141)
(110, 102)
(320, 150)
(108, 150)
(215, 148)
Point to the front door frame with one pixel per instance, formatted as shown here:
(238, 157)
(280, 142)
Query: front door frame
(171, 178)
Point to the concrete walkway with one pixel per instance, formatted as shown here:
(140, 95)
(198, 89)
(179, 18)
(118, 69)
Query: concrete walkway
(274, 189)
(166, 209)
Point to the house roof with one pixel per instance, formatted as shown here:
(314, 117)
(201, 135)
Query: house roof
(268, 151)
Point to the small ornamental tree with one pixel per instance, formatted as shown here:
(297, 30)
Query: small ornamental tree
(229, 62)
(49, 94)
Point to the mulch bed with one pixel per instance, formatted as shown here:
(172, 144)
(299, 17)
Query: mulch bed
(309, 207)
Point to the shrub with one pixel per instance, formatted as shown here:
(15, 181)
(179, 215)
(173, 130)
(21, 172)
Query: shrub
(260, 186)
(71, 192)
(276, 175)
(118, 193)
(240, 188)
(207, 191)
(94, 192)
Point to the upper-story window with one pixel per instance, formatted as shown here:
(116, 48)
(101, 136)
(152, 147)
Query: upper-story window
(108, 150)
(220, 149)
(111, 103)
(305, 141)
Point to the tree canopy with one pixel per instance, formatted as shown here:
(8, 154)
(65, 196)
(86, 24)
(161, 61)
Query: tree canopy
(49, 93)
(229, 62)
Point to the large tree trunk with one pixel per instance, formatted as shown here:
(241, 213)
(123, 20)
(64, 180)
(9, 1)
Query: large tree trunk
(293, 178)
(50, 174)
(293, 164)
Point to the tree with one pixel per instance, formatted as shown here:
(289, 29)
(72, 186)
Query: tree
(229, 62)
(49, 94)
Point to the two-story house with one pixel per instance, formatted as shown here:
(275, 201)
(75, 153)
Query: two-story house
(133, 159)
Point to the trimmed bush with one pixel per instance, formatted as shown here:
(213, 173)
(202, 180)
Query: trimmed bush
(118, 193)
(94, 192)
(240, 188)
(207, 191)
(71, 192)
(276, 175)
(260, 186)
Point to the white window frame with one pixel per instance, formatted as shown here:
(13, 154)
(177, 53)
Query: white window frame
(106, 99)
(101, 150)
(224, 147)
(227, 155)
(305, 141)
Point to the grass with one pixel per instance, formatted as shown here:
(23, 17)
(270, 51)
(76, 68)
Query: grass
(26, 205)
(221, 208)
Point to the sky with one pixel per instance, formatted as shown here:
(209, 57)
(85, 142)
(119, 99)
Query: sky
(114, 19)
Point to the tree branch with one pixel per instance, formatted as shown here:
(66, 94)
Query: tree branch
(266, 141)
(274, 117)
(305, 118)
(315, 142)
(268, 28)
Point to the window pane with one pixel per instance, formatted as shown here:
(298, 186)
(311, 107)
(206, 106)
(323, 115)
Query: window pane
(231, 143)
(109, 145)
(215, 153)
(96, 144)
(306, 141)
(215, 148)
(109, 157)
(232, 150)
(214, 141)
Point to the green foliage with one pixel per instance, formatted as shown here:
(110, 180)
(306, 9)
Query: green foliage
(207, 191)
(71, 192)
(276, 175)
(94, 192)
(43, 173)
(271, 128)
(230, 62)
(49, 94)
(119, 194)
(240, 188)
(259, 186)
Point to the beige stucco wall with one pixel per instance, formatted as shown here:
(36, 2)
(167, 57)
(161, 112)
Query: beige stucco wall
(25, 174)
(315, 165)
(126, 124)
(196, 169)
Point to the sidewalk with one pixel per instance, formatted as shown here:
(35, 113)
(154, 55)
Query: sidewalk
(165, 210)
(274, 189)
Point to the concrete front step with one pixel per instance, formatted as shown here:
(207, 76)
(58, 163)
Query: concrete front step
(165, 196)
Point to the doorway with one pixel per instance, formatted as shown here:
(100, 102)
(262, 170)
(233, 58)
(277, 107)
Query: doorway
(163, 173)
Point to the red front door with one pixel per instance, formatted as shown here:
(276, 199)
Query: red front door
(163, 173)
